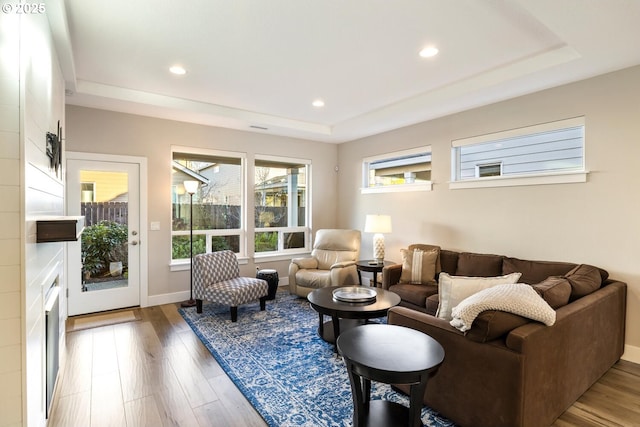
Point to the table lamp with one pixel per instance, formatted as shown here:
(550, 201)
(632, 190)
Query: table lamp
(378, 224)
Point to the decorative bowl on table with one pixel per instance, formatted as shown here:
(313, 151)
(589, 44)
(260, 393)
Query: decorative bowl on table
(354, 294)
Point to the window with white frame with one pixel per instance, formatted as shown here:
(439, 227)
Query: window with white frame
(281, 200)
(407, 170)
(547, 150)
(217, 204)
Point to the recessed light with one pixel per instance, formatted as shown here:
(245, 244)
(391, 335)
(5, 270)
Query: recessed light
(428, 52)
(318, 103)
(177, 69)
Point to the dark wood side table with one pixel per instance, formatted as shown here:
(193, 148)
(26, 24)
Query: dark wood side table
(371, 266)
(394, 355)
(345, 315)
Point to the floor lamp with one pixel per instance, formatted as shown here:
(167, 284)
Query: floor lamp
(190, 187)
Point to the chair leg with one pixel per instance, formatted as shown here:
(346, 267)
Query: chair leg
(234, 314)
(263, 303)
(198, 306)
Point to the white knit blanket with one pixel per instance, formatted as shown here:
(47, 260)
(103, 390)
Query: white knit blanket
(518, 298)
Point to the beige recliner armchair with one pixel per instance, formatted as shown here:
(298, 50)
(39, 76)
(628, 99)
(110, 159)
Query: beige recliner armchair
(332, 262)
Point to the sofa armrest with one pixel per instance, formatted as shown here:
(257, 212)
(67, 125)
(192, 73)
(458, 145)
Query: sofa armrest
(599, 313)
(391, 275)
(309, 263)
(420, 321)
(342, 264)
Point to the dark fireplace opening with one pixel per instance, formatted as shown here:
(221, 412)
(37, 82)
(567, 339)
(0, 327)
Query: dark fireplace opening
(52, 336)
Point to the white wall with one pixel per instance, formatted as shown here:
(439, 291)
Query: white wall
(31, 103)
(105, 132)
(11, 339)
(596, 222)
(42, 106)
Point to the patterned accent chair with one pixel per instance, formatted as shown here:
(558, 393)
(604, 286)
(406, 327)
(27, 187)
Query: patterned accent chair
(216, 278)
(332, 262)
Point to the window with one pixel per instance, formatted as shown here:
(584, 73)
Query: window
(281, 194)
(217, 203)
(540, 154)
(489, 169)
(87, 192)
(407, 170)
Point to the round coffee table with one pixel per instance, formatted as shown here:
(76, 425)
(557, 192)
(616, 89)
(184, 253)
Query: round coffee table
(345, 315)
(393, 355)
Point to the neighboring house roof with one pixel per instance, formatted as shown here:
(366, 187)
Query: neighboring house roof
(195, 175)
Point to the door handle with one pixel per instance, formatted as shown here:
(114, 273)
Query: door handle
(135, 242)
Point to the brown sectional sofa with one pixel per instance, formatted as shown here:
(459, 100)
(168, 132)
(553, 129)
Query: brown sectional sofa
(508, 370)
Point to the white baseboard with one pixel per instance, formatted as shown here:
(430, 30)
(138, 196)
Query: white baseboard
(167, 298)
(631, 354)
(184, 295)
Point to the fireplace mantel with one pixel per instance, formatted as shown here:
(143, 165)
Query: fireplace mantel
(59, 229)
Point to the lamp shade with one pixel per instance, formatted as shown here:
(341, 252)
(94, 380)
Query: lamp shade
(377, 224)
(190, 186)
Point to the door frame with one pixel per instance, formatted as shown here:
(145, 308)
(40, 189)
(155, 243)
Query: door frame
(143, 234)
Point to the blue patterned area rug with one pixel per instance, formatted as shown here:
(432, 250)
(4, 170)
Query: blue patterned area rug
(288, 373)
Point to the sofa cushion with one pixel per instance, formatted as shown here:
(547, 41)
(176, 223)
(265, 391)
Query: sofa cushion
(584, 279)
(453, 289)
(492, 324)
(535, 271)
(449, 261)
(479, 265)
(432, 304)
(554, 290)
(415, 294)
(419, 266)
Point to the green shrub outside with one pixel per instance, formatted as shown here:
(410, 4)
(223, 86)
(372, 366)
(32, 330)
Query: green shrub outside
(266, 241)
(181, 246)
(103, 243)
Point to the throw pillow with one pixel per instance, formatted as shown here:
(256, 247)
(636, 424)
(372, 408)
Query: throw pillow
(418, 266)
(554, 290)
(584, 279)
(453, 289)
(492, 324)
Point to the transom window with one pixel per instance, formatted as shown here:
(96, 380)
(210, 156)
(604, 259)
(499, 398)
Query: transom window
(543, 150)
(407, 170)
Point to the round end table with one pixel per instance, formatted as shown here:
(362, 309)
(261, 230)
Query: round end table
(393, 355)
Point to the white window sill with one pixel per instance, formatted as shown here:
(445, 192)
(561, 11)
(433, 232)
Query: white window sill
(501, 181)
(279, 257)
(423, 186)
(184, 265)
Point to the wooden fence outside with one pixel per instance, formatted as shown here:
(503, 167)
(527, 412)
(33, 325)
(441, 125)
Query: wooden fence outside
(94, 212)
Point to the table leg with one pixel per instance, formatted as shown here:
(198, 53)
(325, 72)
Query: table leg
(359, 277)
(336, 328)
(416, 395)
(360, 392)
(375, 279)
(321, 326)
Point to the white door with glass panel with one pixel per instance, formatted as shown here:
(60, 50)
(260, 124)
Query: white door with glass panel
(104, 265)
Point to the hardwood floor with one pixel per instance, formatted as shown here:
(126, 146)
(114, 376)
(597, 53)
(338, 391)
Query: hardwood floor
(155, 372)
(150, 372)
